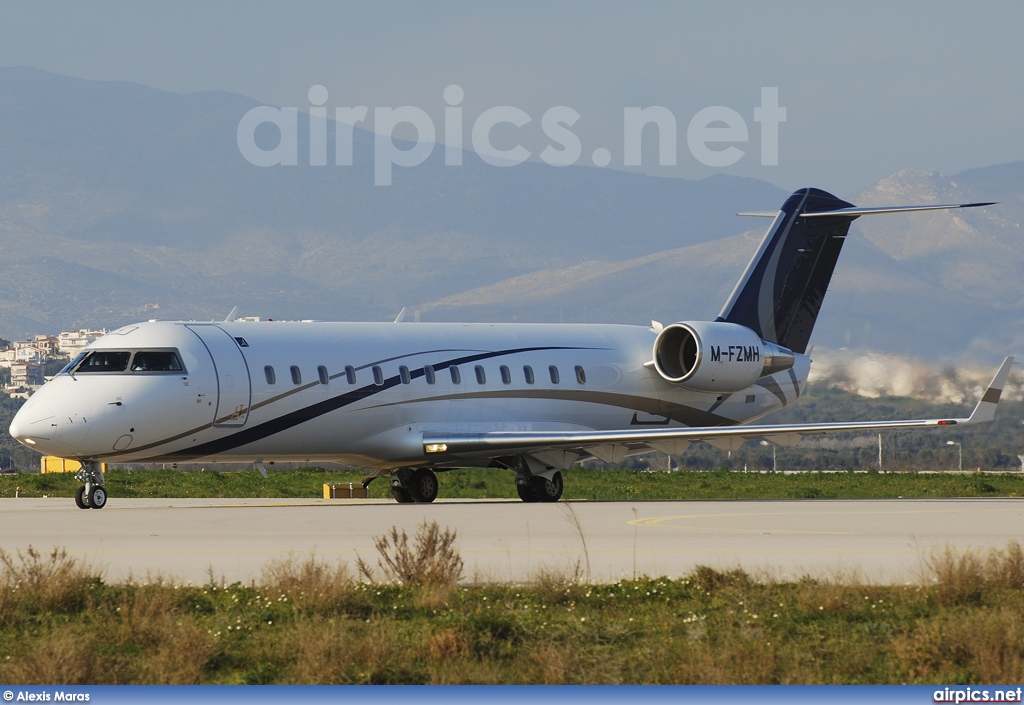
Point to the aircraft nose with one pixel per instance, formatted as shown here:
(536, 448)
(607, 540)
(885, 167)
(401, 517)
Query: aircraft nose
(19, 429)
(36, 425)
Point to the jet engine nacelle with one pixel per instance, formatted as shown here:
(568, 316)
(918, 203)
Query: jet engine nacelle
(715, 356)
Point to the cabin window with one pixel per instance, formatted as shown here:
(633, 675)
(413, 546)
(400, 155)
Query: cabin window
(350, 374)
(481, 378)
(554, 374)
(104, 361)
(321, 371)
(581, 375)
(269, 372)
(750, 398)
(296, 375)
(403, 372)
(378, 375)
(528, 374)
(428, 374)
(456, 376)
(156, 361)
(506, 376)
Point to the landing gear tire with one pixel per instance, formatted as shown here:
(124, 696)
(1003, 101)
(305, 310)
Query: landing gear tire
(97, 497)
(91, 495)
(526, 493)
(423, 487)
(400, 495)
(547, 490)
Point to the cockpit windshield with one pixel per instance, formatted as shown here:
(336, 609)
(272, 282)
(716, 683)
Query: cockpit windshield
(71, 365)
(104, 361)
(117, 361)
(155, 361)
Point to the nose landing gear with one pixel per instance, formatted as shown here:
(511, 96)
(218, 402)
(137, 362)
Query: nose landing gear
(92, 495)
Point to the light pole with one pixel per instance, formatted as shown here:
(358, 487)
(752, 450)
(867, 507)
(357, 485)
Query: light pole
(960, 451)
(774, 463)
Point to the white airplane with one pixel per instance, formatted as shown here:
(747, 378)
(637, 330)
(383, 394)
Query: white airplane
(406, 399)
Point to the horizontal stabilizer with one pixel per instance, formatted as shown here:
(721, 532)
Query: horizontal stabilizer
(855, 211)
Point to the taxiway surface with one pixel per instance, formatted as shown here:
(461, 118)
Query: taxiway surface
(508, 541)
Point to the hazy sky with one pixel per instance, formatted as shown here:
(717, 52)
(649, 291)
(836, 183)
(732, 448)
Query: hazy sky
(868, 88)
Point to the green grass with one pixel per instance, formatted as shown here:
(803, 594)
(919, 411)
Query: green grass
(580, 483)
(307, 622)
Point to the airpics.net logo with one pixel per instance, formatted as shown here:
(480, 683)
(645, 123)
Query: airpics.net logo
(715, 135)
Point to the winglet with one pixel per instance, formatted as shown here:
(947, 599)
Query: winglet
(986, 408)
(232, 316)
(401, 315)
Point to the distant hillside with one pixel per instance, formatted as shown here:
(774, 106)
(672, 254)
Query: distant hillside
(974, 256)
(116, 198)
(928, 285)
(120, 202)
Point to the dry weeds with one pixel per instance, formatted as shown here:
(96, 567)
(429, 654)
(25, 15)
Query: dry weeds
(39, 582)
(710, 580)
(60, 656)
(553, 583)
(314, 587)
(962, 576)
(976, 647)
(308, 621)
(432, 560)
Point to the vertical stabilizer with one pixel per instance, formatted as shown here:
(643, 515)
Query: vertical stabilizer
(781, 291)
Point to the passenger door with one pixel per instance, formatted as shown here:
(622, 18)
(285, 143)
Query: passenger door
(234, 389)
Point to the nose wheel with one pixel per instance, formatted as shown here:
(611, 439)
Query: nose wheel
(92, 494)
(97, 498)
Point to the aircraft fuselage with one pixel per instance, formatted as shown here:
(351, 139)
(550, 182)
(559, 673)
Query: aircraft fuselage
(364, 393)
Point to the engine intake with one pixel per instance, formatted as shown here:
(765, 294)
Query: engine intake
(714, 356)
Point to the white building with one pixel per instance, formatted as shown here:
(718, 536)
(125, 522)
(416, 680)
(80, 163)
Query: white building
(48, 344)
(22, 351)
(71, 342)
(26, 374)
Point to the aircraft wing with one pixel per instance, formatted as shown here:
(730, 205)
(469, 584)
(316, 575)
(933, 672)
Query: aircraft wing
(616, 444)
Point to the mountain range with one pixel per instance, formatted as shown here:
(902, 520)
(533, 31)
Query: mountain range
(120, 202)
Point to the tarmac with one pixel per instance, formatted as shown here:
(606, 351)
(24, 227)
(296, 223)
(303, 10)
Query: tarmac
(199, 540)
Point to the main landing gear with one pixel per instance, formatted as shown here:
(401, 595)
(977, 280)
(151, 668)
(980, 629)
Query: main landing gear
(535, 482)
(92, 494)
(419, 485)
(414, 485)
(535, 488)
